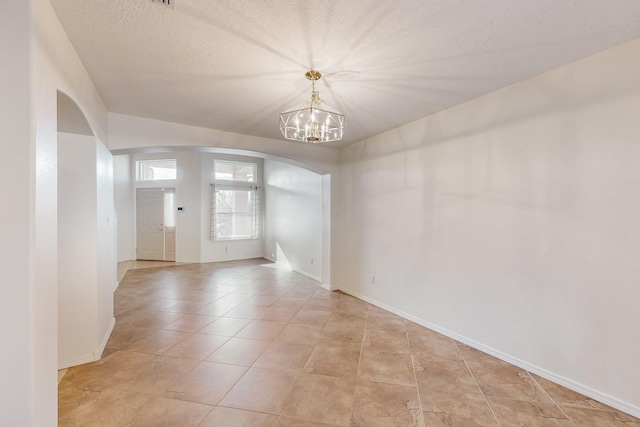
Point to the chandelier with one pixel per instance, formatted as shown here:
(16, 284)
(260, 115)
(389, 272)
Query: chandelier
(313, 122)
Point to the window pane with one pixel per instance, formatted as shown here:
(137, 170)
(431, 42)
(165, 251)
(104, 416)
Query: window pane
(234, 171)
(169, 209)
(234, 214)
(231, 201)
(156, 170)
(233, 226)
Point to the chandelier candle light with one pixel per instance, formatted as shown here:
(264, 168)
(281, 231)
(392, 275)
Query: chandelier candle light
(313, 122)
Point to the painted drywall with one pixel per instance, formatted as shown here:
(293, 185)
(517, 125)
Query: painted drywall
(124, 202)
(86, 249)
(142, 134)
(107, 268)
(17, 314)
(293, 220)
(38, 60)
(193, 194)
(225, 249)
(511, 223)
(77, 249)
(187, 189)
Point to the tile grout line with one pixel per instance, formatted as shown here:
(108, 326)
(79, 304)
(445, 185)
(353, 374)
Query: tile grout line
(415, 375)
(552, 399)
(353, 398)
(464, 360)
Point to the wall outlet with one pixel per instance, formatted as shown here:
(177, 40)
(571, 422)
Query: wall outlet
(311, 260)
(226, 249)
(372, 280)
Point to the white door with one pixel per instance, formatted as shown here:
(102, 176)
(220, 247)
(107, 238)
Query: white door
(149, 223)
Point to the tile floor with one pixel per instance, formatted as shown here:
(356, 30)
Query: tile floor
(247, 344)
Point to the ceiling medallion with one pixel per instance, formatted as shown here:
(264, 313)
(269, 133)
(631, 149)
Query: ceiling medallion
(314, 122)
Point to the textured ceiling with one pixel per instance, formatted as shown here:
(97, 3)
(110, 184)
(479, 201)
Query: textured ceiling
(233, 65)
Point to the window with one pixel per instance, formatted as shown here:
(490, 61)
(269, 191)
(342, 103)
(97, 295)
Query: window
(235, 201)
(169, 208)
(156, 170)
(226, 170)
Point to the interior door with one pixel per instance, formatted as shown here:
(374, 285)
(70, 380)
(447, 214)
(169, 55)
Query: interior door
(149, 224)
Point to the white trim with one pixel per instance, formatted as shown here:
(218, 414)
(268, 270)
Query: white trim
(328, 287)
(98, 353)
(310, 276)
(80, 360)
(91, 357)
(558, 379)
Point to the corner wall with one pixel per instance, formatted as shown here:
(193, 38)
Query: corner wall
(38, 60)
(18, 318)
(293, 228)
(511, 223)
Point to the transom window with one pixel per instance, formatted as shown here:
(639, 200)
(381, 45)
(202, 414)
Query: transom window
(156, 170)
(227, 170)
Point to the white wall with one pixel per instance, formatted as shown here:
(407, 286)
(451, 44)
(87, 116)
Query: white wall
(38, 59)
(511, 223)
(141, 134)
(77, 249)
(193, 193)
(107, 268)
(17, 314)
(228, 249)
(124, 201)
(293, 227)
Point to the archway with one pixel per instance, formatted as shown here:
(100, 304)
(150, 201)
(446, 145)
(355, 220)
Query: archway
(301, 190)
(85, 224)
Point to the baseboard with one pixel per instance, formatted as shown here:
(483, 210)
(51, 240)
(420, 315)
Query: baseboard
(80, 360)
(558, 379)
(328, 287)
(98, 353)
(310, 276)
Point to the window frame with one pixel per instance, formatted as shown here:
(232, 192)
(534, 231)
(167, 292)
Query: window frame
(139, 175)
(255, 209)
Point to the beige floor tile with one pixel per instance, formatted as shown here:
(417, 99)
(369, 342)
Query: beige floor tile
(190, 323)
(502, 380)
(239, 351)
(385, 322)
(380, 404)
(277, 314)
(600, 418)
(386, 341)
(320, 398)
(225, 326)
(261, 330)
(207, 383)
(279, 350)
(261, 390)
(282, 355)
(229, 417)
(442, 419)
(510, 412)
(290, 302)
(393, 368)
(246, 311)
(197, 346)
(158, 342)
(301, 333)
(290, 422)
(334, 361)
(312, 317)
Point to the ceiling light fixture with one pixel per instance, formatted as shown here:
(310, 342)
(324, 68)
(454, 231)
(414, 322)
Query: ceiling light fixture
(313, 122)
